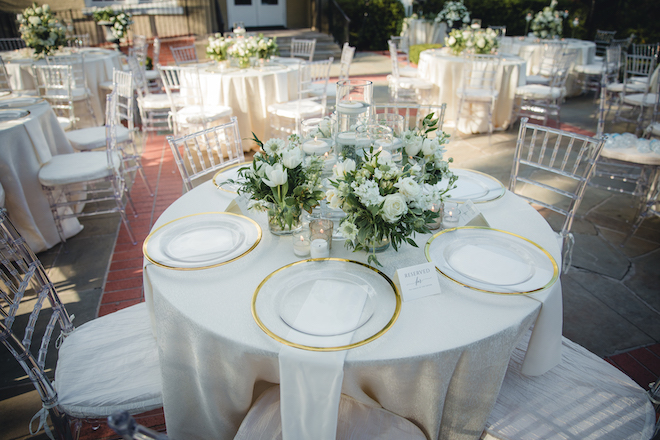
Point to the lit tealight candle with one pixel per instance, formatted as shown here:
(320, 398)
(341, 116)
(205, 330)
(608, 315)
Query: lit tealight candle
(451, 215)
(319, 248)
(316, 147)
(350, 104)
(301, 243)
(435, 224)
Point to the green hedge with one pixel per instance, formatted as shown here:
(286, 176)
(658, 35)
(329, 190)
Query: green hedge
(415, 50)
(373, 22)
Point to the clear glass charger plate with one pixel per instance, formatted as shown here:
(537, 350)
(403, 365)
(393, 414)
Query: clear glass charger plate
(10, 115)
(202, 241)
(5, 93)
(229, 173)
(20, 102)
(475, 186)
(326, 304)
(492, 261)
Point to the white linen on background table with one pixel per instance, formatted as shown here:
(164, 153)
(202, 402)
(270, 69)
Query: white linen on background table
(440, 365)
(446, 72)
(25, 145)
(422, 31)
(249, 92)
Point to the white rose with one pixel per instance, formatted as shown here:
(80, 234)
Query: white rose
(38, 11)
(292, 158)
(393, 207)
(413, 145)
(408, 188)
(451, 41)
(342, 168)
(275, 175)
(34, 20)
(46, 8)
(333, 199)
(481, 43)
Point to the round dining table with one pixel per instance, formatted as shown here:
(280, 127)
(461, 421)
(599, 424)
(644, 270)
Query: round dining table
(250, 91)
(99, 65)
(26, 143)
(446, 71)
(440, 365)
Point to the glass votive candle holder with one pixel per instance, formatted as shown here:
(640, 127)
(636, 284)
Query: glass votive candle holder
(436, 223)
(321, 228)
(451, 215)
(301, 242)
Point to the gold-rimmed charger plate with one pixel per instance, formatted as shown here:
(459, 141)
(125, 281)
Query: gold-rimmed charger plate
(22, 101)
(491, 260)
(476, 186)
(281, 304)
(230, 172)
(202, 241)
(11, 115)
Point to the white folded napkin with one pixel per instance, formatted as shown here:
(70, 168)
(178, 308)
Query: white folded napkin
(310, 382)
(487, 266)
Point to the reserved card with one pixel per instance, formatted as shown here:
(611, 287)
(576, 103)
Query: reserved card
(418, 281)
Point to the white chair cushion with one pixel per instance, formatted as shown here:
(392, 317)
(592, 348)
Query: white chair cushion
(291, 110)
(414, 83)
(110, 364)
(65, 123)
(92, 138)
(478, 95)
(192, 114)
(151, 75)
(582, 397)
(618, 87)
(539, 91)
(64, 169)
(640, 99)
(356, 421)
(408, 71)
(590, 69)
(158, 101)
(77, 93)
(107, 85)
(538, 79)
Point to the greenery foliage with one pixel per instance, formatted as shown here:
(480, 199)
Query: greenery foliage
(41, 30)
(416, 49)
(373, 22)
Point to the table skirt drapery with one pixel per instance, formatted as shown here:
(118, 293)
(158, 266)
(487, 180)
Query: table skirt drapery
(249, 92)
(446, 72)
(25, 145)
(440, 366)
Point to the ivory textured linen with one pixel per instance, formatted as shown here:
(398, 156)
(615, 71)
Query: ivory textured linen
(99, 64)
(440, 366)
(446, 72)
(249, 92)
(25, 145)
(426, 32)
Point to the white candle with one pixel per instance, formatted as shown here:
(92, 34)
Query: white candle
(350, 104)
(451, 215)
(347, 138)
(319, 248)
(316, 146)
(301, 246)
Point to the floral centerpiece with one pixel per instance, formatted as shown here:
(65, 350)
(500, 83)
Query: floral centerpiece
(218, 47)
(282, 182)
(117, 20)
(267, 47)
(453, 11)
(387, 203)
(242, 49)
(548, 22)
(481, 41)
(41, 30)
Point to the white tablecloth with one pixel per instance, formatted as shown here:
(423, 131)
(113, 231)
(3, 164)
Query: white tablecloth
(249, 92)
(99, 64)
(440, 365)
(446, 72)
(25, 145)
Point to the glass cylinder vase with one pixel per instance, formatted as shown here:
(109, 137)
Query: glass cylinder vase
(373, 245)
(284, 220)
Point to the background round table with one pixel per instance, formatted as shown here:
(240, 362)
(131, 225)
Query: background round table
(446, 71)
(440, 365)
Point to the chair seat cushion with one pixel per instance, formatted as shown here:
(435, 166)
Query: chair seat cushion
(92, 138)
(151, 75)
(590, 69)
(110, 364)
(356, 421)
(631, 86)
(293, 109)
(640, 99)
(408, 71)
(77, 93)
(413, 83)
(538, 79)
(192, 114)
(477, 95)
(539, 91)
(159, 101)
(64, 169)
(107, 85)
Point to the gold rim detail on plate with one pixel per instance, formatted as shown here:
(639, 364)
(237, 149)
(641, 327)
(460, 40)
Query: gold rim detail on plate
(381, 332)
(224, 170)
(483, 174)
(156, 263)
(555, 267)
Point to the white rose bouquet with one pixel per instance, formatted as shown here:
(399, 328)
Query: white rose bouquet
(453, 11)
(282, 181)
(242, 49)
(121, 21)
(218, 47)
(481, 41)
(41, 30)
(548, 22)
(267, 47)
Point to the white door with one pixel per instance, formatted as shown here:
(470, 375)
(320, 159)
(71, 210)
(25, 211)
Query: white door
(254, 13)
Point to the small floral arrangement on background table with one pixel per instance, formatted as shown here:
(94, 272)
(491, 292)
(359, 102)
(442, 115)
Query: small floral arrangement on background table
(283, 182)
(218, 47)
(117, 20)
(41, 30)
(387, 203)
(453, 11)
(548, 22)
(241, 49)
(267, 47)
(481, 41)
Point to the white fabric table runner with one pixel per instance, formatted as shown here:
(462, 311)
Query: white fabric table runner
(439, 366)
(446, 71)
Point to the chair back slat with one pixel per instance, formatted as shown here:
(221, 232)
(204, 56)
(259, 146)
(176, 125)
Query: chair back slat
(412, 113)
(5, 85)
(77, 63)
(7, 44)
(199, 154)
(303, 48)
(184, 54)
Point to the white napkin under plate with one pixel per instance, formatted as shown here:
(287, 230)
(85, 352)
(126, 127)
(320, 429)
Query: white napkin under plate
(310, 382)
